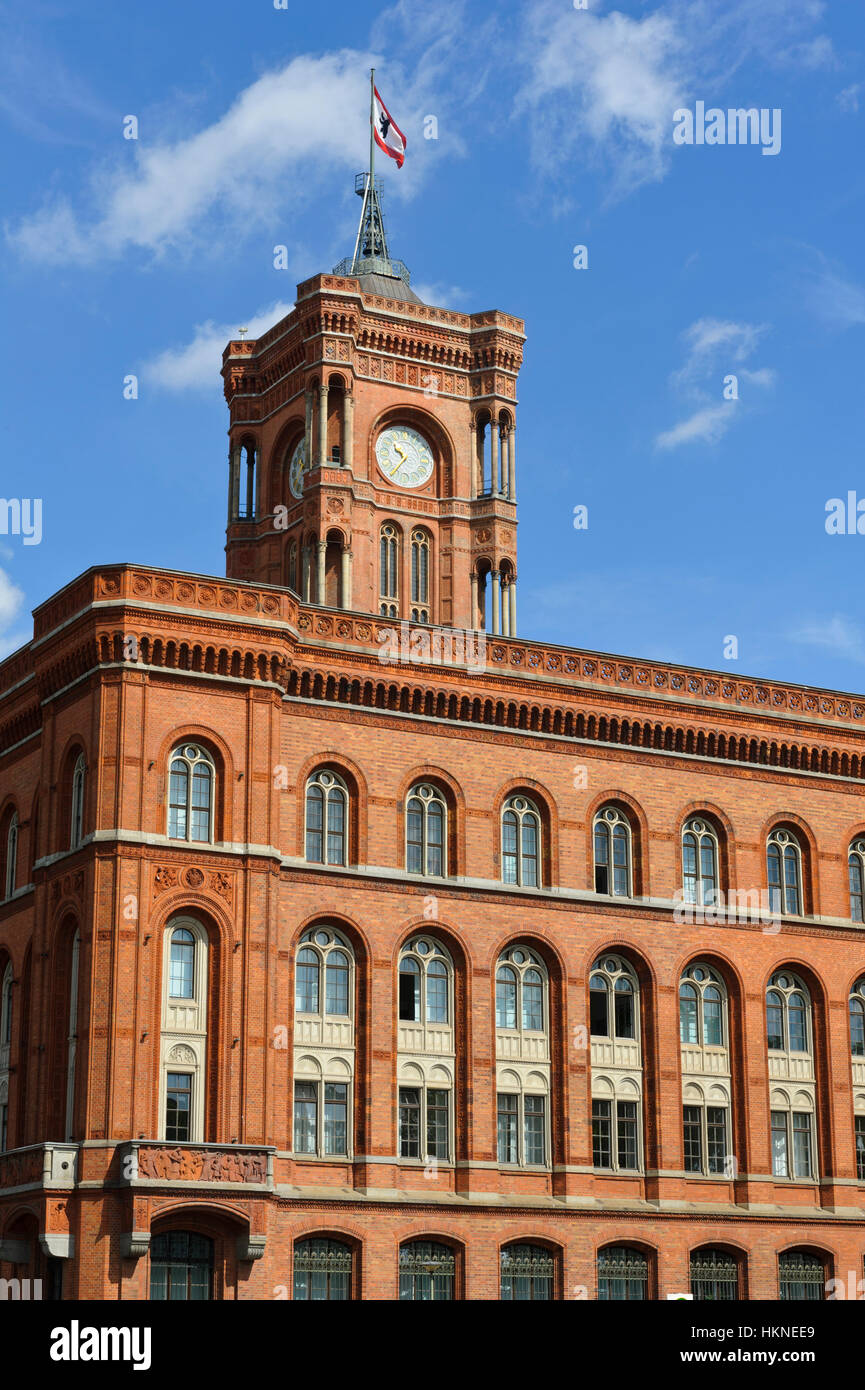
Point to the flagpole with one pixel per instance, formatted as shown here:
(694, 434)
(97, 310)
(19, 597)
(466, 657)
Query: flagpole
(371, 175)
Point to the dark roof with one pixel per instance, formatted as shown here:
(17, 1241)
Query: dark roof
(388, 287)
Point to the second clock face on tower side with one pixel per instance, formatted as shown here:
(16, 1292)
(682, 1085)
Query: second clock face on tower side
(297, 468)
(404, 456)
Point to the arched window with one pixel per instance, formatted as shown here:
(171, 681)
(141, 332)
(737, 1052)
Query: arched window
(856, 866)
(324, 1043)
(788, 1015)
(181, 1267)
(521, 842)
(527, 1273)
(521, 987)
(424, 982)
(190, 802)
(613, 999)
(801, 1277)
(623, 1274)
(11, 855)
(76, 832)
(522, 1059)
(420, 568)
(714, 1276)
(326, 818)
(322, 1270)
(612, 839)
(426, 831)
(784, 865)
(183, 1044)
(699, 862)
(5, 1049)
(389, 571)
(702, 1000)
(6, 1008)
(427, 1271)
(857, 1019)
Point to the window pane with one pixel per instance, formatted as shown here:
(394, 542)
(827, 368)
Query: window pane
(624, 1006)
(305, 1117)
(688, 1031)
(533, 1002)
(779, 1144)
(530, 852)
(716, 1138)
(314, 824)
(181, 970)
(409, 1122)
(693, 1137)
(178, 1106)
(508, 1109)
(306, 983)
(509, 847)
(774, 1022)
(802, 1158)
(437, 992)
(506, 997)
(437, 1107)
(602, 1153)
(336, 826)
(798, 1030)
(336, 984)
(335, 1118)
(626, 1125)
(598, 1007)
(535, 1108)
(409, 991)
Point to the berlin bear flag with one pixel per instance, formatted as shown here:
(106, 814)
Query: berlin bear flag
(388, 135)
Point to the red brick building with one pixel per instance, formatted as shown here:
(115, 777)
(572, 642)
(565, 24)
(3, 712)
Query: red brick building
(352, 946)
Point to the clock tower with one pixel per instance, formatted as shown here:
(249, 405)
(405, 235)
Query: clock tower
(372, 460)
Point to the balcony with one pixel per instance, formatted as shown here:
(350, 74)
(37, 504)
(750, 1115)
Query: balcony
(37, 1167)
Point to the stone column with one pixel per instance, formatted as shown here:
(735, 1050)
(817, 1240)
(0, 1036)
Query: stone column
(512, 595)
(306, 576)
(250, 483)
(322, 556)
(495, 458)
(322, 424)
(233, 473)
(506, 611)
(474, 599)
(308, 426)
(497, 603)
(512, 463)
(345, 582)
(348, 429)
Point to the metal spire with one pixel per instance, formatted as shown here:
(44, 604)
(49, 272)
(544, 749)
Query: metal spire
(371, 255)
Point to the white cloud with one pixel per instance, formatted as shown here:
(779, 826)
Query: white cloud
(715, 349)
(11, 601)
(705, 426)
(848, 98)
(196, 365)
(282, 135)
(837, 301)
(442, 296)
(838, 634)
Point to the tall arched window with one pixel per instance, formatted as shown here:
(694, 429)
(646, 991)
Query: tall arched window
(857, 1019)
(706, 1075)
(389, 571)
(527, 1273)
(190, 801)
(789, 1038)
(183, 1042)
(522, 1059)
(181, 1267)
(856, 869)
(623, 1274)
(5, 1050)
(72, 1035)
(324, 1043)
(420, 571)
(11, 855)
(427, 1271)
(521, 842)
(426, 824)
(322, 1270)
(326, 818)
(784, 865)
(426, 1051)
(76, 822)
(699, 862)
(612, 840)
(702, 997)
(787, 1015)
(617, 1075)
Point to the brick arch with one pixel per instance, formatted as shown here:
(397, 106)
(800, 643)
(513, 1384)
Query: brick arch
(353, 1237)
(274, 465)
(65, 769)
(639, 836)
(548, 811)
(223, 792)
(456, 803)
(808, 846)
(358, 801)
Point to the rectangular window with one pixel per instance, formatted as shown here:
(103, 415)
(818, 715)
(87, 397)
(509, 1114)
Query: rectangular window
(602, 1152)
(409, 996)
(409, 1122)
(598, 1013)
(508, 1109)
(780, 1166)
(437, 1107)
(716, 1137)
(535, 1117)
(693, 1134)
(314, 827)
(305, 1117)
(627, 1133)
(860, 1147)
(802, 1148)
(335, 1118)
(178, 1107)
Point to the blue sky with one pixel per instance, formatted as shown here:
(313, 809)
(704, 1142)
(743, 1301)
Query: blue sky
(555, 129)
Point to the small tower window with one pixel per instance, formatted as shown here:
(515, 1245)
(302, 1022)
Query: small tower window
(420, 565)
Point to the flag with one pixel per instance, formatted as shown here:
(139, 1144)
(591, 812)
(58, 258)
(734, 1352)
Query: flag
(388, 135)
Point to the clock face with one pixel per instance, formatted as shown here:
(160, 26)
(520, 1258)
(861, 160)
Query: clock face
(404, 456)
(297, 468)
